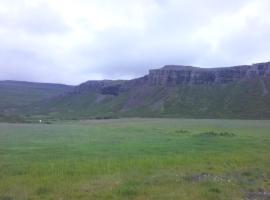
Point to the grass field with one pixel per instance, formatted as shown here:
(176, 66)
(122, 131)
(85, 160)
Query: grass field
(136, 159)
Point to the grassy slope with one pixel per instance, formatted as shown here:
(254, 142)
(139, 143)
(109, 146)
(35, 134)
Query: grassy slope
(17, 93)
(134, 159)
(242, 100)
(247, 99)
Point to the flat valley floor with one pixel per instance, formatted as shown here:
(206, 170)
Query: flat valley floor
(136, 159)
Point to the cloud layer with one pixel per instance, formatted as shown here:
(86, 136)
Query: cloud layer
(74, 41)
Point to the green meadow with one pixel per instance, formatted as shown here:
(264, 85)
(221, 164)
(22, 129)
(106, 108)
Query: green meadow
(136, 159)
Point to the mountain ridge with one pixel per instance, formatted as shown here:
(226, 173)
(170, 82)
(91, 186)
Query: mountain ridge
(263, 67)
(171, 91)
(20, 93)
(235, 92)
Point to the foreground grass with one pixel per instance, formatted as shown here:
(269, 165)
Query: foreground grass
(135, 159)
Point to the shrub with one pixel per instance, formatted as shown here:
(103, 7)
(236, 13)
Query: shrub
(212, 133)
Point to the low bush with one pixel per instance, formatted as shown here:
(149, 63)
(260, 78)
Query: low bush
(212, 133)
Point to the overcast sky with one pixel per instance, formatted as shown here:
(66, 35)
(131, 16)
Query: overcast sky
(71, 41)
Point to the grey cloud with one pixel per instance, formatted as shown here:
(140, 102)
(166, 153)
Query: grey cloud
(130, 53)
(167, 36)
(165, 40)
(40, 19)
(21, 64)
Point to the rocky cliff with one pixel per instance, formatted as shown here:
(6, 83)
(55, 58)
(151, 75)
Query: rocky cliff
(172, 91)
(176, 74)
(173, 75)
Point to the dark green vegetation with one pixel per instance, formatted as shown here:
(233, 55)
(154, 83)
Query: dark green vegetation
(241, 92)
(136, 159)
(18, 93)
(245, 99)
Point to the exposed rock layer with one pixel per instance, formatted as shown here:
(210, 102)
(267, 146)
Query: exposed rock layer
(172, 91)
(176, 75)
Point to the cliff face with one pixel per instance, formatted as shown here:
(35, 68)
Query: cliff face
(172, 91)
(173, 75)
(176, 75)
(106, 87)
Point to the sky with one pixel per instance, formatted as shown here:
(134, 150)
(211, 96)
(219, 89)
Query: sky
(72, 41)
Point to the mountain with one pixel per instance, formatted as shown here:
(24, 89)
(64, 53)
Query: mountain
(172, 91)
(19, 93)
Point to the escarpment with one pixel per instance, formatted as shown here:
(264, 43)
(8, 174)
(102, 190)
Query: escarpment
(173, 75)
(172, 91)
(176, 74)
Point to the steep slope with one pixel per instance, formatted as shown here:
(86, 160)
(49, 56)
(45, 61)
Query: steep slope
(19, 93)
(172, 91)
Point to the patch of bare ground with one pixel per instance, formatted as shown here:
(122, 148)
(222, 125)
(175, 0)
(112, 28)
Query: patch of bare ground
(206, 177)
(257, 195)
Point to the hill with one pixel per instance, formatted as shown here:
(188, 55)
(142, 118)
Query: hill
(172, 91)
(19, 93)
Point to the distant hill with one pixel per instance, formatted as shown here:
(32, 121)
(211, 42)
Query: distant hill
(172, 91)
(19, 93)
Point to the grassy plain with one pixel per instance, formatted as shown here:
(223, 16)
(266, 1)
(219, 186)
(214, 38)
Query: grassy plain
(135, 159)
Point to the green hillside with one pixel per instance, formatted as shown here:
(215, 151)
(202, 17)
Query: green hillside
(171, 91)
(18, 93)
(244, 99)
